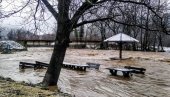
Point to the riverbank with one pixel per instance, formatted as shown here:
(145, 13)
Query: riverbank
(10, 88)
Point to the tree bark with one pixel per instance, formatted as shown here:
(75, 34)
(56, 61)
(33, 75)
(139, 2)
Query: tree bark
(64, 28)
(61, 43)
(55, 65)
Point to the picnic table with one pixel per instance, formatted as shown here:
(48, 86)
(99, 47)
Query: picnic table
(126, 72)
(37, 65)
(136, 70)
(75, 66)
(23, 65)
(93, 65)
(41, 64)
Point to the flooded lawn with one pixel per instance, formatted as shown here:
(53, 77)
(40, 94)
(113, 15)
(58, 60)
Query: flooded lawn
(96, 83)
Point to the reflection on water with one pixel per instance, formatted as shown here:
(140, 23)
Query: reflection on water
(21, 70)
(120, 77)
(96, 83)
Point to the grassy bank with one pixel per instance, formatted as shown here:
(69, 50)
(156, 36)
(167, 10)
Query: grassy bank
(10, 88)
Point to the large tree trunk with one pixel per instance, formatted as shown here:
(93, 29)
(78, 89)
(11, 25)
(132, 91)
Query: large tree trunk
(61, 44)
(64, 28)
(55, 65)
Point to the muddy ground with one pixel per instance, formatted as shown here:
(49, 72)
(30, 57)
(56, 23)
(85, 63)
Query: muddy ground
(96, 83)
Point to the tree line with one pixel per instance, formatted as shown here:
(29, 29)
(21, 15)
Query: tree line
(132, 19)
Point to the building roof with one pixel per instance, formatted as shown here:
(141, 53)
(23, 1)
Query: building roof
(50, 40)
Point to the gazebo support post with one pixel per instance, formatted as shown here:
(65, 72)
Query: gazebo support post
(120, 49)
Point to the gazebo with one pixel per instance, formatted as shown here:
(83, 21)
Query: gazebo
(120, 39)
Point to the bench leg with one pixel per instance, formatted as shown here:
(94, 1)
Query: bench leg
(113, 72)
(84, 68)
(81, 68)
(65, 66)
(126, 74)
(21, 66)
(35, 66)
(73, 67)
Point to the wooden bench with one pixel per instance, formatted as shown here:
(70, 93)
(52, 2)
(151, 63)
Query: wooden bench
(41, 64)
(93, 65)
(75, 66)
(136, 69)
(23, 65)
(126, 72)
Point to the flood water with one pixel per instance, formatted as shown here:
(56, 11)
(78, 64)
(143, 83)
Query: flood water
(96, 83)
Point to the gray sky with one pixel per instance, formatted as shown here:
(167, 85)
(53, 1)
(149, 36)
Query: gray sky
(25, 18)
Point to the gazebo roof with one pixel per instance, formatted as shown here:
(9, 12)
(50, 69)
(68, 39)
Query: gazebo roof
(121, 37)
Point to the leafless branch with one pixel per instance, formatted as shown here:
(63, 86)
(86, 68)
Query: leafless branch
(14, 12)
(92, 21)
(85, 6)
(36, 9)
(51, 9)
(111, 19)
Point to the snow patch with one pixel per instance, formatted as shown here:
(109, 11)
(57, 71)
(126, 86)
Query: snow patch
(12, 45)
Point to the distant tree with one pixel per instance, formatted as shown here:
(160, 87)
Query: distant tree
(48, 36)
(20, 34)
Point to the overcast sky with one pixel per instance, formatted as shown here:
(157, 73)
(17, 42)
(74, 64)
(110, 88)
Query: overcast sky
(25, 18)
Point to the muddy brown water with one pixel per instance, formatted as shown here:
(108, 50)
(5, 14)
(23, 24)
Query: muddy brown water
(96, 83)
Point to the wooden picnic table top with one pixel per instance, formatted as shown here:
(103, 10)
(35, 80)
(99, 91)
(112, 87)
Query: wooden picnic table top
(135, 68)
(120, 69)
(26, 63)
(65, 63)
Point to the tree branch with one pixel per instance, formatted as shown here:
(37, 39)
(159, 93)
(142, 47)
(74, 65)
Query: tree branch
(8, 15)
(50, 8)
(140, 3)
(140, 26)
(88, 6)
(85, 6)
(111, 18)
(163, 28)
(133, 2)
(92, 21)
(36, 9)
